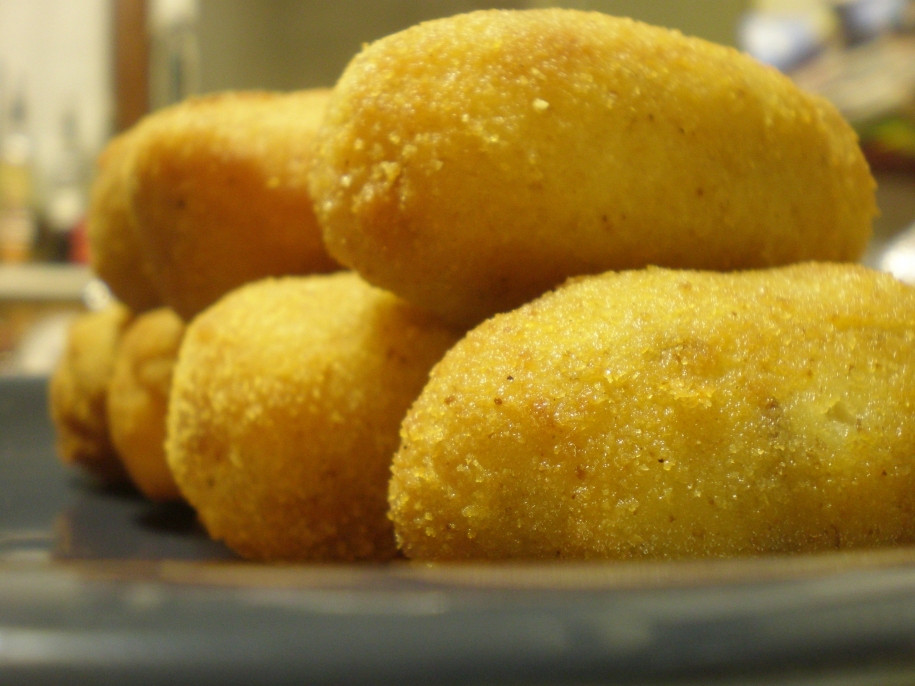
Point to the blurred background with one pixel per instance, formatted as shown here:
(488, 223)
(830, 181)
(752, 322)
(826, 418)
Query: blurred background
(75, 72)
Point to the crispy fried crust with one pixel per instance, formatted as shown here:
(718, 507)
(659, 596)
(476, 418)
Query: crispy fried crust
(79, 388)
(471, 163)
(114, 247)
(220, 197)
(670, 414)
(284, 413)
(138, 400)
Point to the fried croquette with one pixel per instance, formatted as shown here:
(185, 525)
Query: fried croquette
(469, 164)
(670, 414)
(114, 248)
(78, 392)
(284, 413)
(220, 196)
(138, 400)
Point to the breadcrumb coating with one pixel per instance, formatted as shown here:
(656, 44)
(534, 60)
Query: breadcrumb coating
(114, 246)
(469, 164)
(138, 400)
(220, 196)
(670, 414)
(284, 414)
(78, 392)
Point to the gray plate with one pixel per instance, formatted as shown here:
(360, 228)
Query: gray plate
(99, 587)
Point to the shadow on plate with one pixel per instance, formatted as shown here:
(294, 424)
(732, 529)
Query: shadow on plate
(117, 523)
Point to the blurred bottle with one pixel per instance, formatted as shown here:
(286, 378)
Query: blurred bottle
(66, 195)
(865, 20)
(17, 212)
(175, 55)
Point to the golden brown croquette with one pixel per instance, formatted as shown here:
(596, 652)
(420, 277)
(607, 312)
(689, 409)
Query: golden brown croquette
(469, 164)
(670, 414)
(138, 400)
(78, 391)
(114, 247)
(220, 195)
(284, 412)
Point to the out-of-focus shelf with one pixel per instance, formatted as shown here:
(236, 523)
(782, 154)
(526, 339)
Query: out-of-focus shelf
(43, 282)
(37, 304)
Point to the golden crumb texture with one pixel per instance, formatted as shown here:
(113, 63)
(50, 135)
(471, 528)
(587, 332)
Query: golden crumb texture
(469, 164)
(284, 414)
(114, 245)
(670, 414)
(219, 193)
(138, 400)
(78, 391)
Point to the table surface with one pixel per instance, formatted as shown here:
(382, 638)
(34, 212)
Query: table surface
(100, 587)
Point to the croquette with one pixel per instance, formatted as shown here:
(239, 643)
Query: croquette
(284, 414)
(78, 392)
(670, 414)
(470, 164)
(220, 197)
(138, 400)
(114, 248)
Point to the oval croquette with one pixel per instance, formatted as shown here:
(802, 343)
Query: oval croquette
(114, 246)
(670, 414)
(138, 400)
(220, 196)
(78, 392)
(284, 412)
(471, 163)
